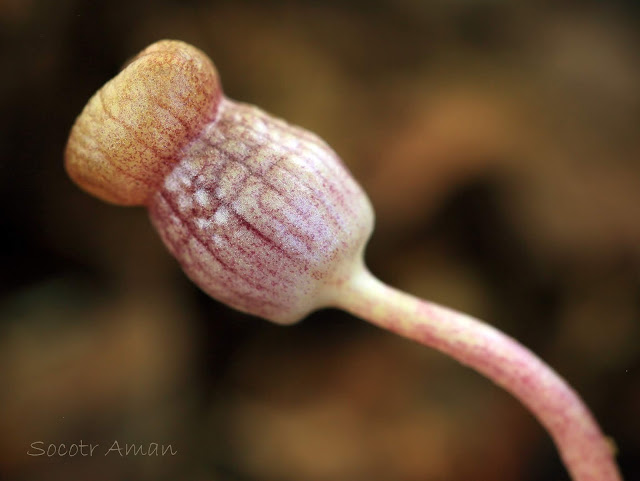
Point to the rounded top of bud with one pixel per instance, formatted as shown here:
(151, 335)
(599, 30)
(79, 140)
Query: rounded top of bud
(130, 133)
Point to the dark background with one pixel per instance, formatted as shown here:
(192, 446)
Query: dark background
(500, 146)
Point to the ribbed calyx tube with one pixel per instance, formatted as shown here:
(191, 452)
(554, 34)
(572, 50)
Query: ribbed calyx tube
(262, 215)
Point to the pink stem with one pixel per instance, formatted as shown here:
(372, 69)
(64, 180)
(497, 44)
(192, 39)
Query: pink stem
(586, 453)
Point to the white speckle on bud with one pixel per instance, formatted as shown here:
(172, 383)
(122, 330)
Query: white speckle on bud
(289, 141)
(277, 149)
(221, 215)
(202, 198)
(185, 179)
(202, 223)
(217, 240)
(171, 184)
(235, 147)
(185, 202)
(259, 126)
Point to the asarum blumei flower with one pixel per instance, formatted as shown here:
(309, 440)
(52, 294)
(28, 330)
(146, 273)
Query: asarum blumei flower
(265, 217)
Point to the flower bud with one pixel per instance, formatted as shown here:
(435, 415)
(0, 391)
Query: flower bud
(262, 215)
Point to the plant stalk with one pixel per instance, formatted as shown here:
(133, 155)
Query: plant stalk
(586, 453)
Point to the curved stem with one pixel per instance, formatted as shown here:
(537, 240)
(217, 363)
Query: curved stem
(585, 451)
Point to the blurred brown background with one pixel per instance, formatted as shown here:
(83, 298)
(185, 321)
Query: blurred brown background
(499, 142)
